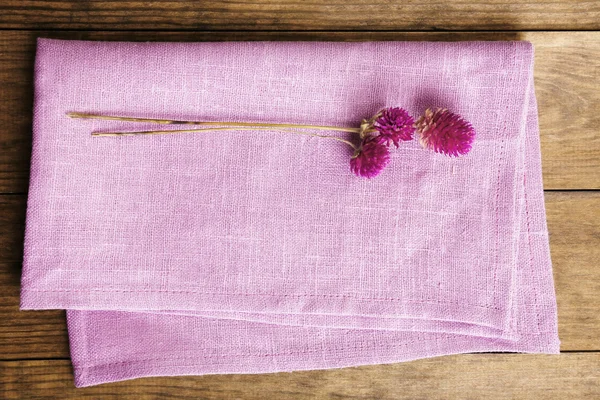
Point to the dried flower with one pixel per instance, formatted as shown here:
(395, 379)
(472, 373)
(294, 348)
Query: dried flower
(445, 132)
(439, 129)
(370, 158)
(393, 125)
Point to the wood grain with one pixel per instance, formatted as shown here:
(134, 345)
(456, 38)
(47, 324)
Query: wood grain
(27, 334)
(505, 376)
(567, 74)
(301, 15)
(574, 235)
(12, 227)
(574, 227)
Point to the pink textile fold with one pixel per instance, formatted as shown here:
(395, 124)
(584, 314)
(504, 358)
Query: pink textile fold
(254, 251)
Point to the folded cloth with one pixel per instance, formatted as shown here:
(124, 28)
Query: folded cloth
(258, 251)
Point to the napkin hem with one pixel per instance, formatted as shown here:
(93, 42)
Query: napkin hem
(137, 300)
(90, 375)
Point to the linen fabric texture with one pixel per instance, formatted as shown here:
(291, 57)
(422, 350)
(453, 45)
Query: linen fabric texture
(259, 251)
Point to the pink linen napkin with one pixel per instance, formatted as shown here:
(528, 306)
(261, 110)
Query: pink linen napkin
(248, 252)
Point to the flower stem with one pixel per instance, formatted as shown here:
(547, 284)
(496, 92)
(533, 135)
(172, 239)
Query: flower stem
(212, 123)
(218, 129)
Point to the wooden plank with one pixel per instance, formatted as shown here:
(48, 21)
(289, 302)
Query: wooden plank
(27, 334)
(12, 227)
(574, 231)
(16, 70)
(301, 15)
(567, 90)
(567, 74)
(473, 376)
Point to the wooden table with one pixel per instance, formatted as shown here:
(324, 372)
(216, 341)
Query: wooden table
(34, 356)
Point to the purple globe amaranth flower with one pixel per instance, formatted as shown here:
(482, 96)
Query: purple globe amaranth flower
(445, 132)
(393, 125)
(370, 158)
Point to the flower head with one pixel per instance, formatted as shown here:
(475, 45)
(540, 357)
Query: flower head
(445, 132)
(370, 158)
(393, 125)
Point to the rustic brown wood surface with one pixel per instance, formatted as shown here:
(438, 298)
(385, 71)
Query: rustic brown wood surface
(467, 376)
(34, 358)
(329, 15)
